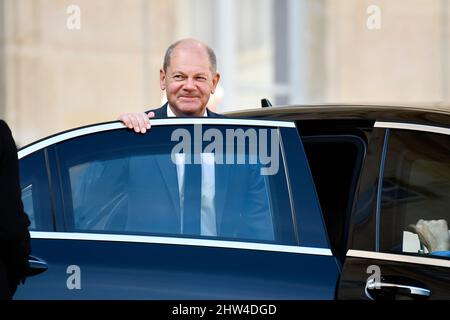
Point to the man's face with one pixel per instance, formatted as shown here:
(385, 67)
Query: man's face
(188, 81)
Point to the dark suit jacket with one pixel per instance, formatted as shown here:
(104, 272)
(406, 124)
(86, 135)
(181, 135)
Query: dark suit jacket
(149, 184)
(162, 112)
(14, 223)
(241, 205)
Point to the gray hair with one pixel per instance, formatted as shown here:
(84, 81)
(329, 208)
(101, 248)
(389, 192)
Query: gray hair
(209, 51)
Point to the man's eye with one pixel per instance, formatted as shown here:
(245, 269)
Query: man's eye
(178, 77)
(201, 78)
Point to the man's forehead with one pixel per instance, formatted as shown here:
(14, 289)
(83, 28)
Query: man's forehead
(190, 46)
(184, 53)
(189, 62)
(189, 69)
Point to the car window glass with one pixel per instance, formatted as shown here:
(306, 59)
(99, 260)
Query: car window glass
(35, 191)
(416, 185)
(122, 182)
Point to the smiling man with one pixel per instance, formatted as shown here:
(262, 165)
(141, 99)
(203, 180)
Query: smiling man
(189, 76)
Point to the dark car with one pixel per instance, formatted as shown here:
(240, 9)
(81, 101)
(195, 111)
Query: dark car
(309, 202)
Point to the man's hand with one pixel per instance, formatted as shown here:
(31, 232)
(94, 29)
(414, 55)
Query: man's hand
(138, 121)
(433, 234)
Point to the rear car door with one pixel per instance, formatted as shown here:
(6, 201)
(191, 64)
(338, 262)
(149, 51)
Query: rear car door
(118, 215)
(406, 178)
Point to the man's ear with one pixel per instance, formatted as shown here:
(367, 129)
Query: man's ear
(215, 81)
(162, 79)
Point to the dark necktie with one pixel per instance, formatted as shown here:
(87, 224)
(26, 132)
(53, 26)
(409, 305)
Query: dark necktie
(192, 198)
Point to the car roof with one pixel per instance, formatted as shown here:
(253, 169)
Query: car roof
(422, 114)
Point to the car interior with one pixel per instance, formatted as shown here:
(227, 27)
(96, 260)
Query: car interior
(335, 155)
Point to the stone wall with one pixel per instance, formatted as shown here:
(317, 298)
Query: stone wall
(53, 78)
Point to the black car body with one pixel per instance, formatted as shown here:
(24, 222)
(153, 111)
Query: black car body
(350, 181)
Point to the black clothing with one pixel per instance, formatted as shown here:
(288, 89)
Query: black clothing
(14, 236)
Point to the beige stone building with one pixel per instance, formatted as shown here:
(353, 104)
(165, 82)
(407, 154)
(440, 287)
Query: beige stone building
(67, 63)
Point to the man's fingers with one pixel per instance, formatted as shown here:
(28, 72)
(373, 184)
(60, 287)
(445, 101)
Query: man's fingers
(142, 122)
(412, 228)
(138, 121)
(444, 223)
(135, 123)
(126, 120)
(150, 115)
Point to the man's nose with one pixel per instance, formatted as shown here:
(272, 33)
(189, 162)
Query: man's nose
(189, 84)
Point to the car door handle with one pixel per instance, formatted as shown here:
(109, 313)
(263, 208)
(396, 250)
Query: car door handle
(37, 266)
(375, 289)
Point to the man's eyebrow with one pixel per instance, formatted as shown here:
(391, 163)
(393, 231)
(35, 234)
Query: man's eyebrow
(205, 74)
(176, 71)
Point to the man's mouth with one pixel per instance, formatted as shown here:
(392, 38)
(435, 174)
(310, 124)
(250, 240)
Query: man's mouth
(188, 98)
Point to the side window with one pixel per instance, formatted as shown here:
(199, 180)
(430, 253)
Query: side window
(35, 191)
(416, 185)
(160, 184)
(335, 162)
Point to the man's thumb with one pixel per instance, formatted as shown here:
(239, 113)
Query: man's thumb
(412, 228)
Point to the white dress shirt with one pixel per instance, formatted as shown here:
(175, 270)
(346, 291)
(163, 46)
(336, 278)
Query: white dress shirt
(208, 212)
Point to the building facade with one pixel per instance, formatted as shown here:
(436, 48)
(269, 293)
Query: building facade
(66, 63)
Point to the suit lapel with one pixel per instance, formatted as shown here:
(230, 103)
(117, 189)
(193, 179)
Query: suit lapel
(213, 114)
(221, 185)
(160, 112)
(168, 171)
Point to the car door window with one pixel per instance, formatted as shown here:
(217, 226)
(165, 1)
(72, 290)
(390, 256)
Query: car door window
(416, 185)
(35, 191)
(121, 182)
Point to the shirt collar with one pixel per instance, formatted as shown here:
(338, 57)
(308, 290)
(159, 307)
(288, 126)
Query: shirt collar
(171, 114)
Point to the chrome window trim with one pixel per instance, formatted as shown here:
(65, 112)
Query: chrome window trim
(411, 126)
(399, 258)
(155, 122)
(380, 189)
(180, 241)
(288, 184)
